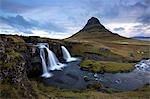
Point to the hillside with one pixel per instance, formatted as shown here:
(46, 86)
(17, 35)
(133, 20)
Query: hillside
(95, 30)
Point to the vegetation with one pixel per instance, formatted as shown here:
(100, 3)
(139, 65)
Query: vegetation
(13, 69)
(41, 91)
(105, 66)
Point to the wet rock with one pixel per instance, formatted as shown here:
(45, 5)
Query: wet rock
(95, 85)
(86, 78)
(104, 49)
(95, 75)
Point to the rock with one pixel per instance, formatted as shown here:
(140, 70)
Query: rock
(95, 75)
(104, 49)
(95, 85)
(86, 78)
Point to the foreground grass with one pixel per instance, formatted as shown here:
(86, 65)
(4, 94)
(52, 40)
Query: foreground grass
(41, 91)
(105, 66)
(51, 92)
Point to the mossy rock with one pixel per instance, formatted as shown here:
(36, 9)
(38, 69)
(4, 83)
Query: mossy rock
(86, 78)
(105, 66)
(95, 85)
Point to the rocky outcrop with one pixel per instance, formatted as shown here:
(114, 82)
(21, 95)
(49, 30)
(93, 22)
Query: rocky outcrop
(13, 76)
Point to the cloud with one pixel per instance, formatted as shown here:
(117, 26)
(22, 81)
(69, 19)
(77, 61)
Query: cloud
(145, 19)
(142, 29)
(13, 7)
(119, 29)
(26, 26)
(68, 17)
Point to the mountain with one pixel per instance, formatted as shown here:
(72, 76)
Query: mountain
(141, 37)
(95, 30)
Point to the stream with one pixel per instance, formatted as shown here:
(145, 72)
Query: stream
(71, 77)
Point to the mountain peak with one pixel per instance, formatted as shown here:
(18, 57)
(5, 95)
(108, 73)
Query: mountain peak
(95, 30)
(93, 23)
(93, 20)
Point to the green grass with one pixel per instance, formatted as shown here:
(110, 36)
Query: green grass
(41, 91)
(133, 41)
(51, 92)
(105, 66)
(141, 93)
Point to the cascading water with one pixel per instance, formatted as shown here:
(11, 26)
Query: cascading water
(53, 62)
(45, 74)
(67, 55)
(143, 65)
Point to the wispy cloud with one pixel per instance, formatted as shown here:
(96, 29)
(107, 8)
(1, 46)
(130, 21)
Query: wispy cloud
(119, 29)
(68, 17)
(24, 25)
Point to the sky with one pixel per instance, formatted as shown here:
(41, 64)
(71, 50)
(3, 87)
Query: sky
(62, 18)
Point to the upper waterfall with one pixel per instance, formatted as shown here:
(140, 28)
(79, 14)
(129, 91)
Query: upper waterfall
(45, 74)
(67, 55)
(53, 62)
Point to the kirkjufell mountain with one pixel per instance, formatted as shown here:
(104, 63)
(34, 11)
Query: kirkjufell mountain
(95, 30)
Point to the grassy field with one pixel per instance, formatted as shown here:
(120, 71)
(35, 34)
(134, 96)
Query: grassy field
(142, 93)
(105, 66)
(41, 91)
(130, 49)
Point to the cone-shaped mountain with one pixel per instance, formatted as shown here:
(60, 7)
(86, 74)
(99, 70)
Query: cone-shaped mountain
(95, 30)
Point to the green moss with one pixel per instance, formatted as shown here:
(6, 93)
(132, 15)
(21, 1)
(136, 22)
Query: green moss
(109, 90)
(10, 65)
(7, 91)
(14, 54)
(87, 78)
(14, 38)
(105, 66)
(95, 85)
(13, 57)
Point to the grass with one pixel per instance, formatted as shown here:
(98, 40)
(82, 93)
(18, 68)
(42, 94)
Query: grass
(117, 48)
(133, 41)
(105, 66)
(41, 91)
(141, 93)
(52, 92)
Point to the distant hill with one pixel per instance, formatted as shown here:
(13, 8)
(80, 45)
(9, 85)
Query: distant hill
(95, 30)
(141, 38)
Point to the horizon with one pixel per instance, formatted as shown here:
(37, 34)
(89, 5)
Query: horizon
(62, 19)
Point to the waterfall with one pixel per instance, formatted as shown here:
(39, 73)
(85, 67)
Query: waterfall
(45, 74)
(67, 55)
(53, 62)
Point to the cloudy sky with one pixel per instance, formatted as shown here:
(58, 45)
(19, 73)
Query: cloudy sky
(62, 18)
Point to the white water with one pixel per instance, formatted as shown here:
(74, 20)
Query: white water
(143, 65)
(67, 55)
(45, 74)
(53, 62)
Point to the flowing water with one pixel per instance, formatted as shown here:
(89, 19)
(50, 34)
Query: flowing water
(73, 78)
(45, 74)
(66, 55)
(53, 62)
